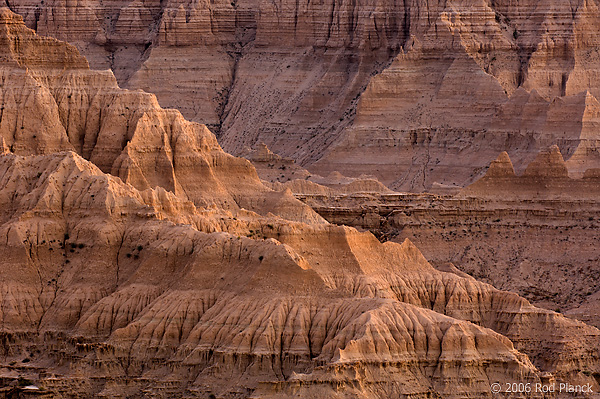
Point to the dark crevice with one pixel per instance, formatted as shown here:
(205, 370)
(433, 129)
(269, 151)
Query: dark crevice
(117, 261)
(330, 21)
(224, 95)
(523, 67)
(245, 36)
(563, 84)
(406, 24)
(369, 65)
(37, 13)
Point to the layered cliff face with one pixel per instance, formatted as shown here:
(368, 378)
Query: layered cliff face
(482, 79)
(176, 49)
(130, 267)
(246, 64)
(533, 232)
(545, 178)
(53, 102)
(418, 94)
(142, 291)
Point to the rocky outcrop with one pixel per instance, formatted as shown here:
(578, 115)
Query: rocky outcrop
(273, 168)
(410, 93)
(547, 165)
(532, 233)
(122, 282)
(125, 133)
(282, 174)
(501, 168)
(148, 280)
(330, 188)
(545, 178)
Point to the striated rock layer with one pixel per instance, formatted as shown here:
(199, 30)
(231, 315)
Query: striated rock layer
(53, 102)
(421, 94)
(481, 78)
(131, 268)
(140, 285)
(534, 233)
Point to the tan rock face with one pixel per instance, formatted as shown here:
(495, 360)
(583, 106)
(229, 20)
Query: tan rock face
(532, 233)
(548, 164)
(502, 167)
(123, 132)
(19, 47)
(136, 40)
(139, 281)
(410, 92)
(148, 279)
(545, 178)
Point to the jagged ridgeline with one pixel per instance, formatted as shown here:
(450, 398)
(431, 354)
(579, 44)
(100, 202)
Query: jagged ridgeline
(141, 260)
(533, 232)
(420, 94)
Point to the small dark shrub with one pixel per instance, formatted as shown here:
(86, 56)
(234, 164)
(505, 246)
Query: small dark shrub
(23, 382)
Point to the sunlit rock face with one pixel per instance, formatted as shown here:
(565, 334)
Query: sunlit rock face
(417, 93)
(138, 256)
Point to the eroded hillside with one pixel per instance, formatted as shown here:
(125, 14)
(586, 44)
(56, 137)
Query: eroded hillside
(416, 93)
(141, 260)
(533, 233)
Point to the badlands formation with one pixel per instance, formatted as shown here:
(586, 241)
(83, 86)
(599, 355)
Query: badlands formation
(140, 260)
(535, 234)
(420, 94)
